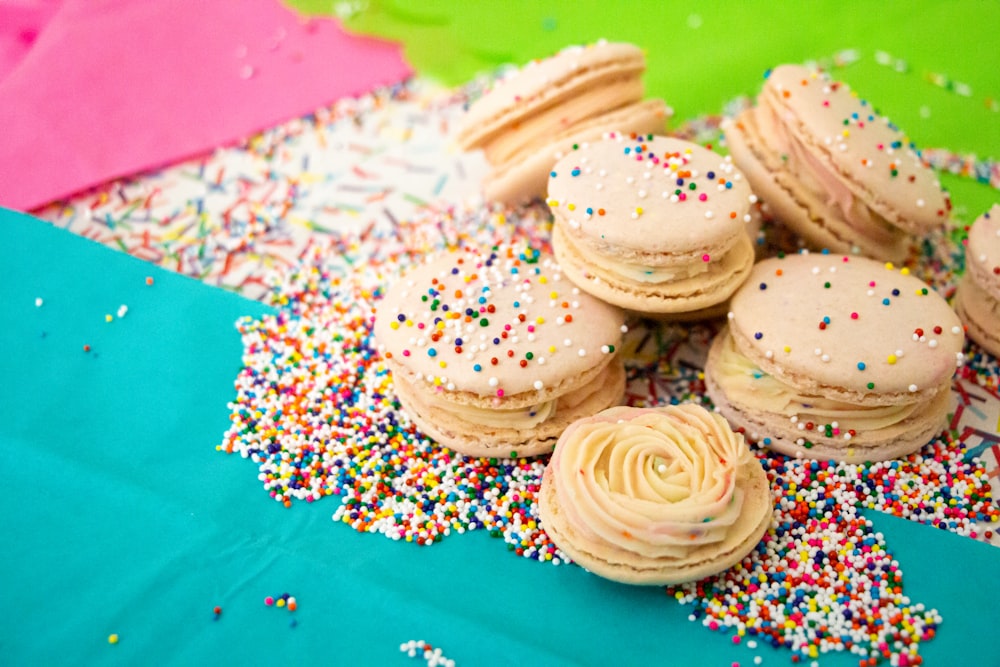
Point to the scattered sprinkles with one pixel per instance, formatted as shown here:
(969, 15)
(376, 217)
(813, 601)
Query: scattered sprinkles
(434, 657)
(315, 411)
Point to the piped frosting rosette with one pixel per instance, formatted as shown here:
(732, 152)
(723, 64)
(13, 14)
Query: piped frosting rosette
(654, 496)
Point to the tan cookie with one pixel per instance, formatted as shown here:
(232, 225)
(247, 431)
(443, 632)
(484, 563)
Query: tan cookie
(541, 111)
(493, 352)
(836, 357)
(832, 170)
(656, 225)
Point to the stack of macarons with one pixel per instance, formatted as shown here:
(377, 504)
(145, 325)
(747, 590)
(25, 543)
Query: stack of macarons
(832, 170)
(655, 225)
(654, 496)
(493, 352)
(529, 119)
(977, 299)
(836, 357)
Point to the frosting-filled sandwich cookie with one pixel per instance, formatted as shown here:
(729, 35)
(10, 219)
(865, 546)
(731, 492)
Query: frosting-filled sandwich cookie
(653, 224)
(977, 300)
(833, 170)
(654, 496)
(493, 352)
(836, 357)
(529, 119)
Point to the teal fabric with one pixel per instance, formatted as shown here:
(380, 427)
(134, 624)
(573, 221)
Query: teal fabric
(121, 517)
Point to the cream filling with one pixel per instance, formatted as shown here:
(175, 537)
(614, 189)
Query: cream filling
(645, 274)
(521, 418)
(822, 182)
(746, 385)
(659, 484)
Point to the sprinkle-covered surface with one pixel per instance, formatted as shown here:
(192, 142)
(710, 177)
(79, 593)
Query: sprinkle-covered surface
(315, 412)
(230, 217)
(314, 408)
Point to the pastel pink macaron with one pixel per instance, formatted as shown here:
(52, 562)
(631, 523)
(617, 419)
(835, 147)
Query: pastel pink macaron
(836, 357)
(532, 117)
(655, 225)
(832, 170)
(493, 352)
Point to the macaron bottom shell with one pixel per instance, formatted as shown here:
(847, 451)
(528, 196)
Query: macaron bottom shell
(449, 429)
(696, 296)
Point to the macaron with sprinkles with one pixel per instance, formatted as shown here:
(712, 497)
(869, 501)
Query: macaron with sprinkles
(543, 110)
(655, 225)
(654, 495)
(836, 357)
(832, 170)
(493, 352)
(977, 300)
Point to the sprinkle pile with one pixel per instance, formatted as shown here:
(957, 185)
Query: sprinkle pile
(315, 411)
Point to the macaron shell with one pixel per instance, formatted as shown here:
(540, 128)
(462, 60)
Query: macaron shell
(848, 328)
(875, 159)
(490, 326)
(690, 298)
(743, 536)
(526, 175)
(783, 436)
(982, 255)
(652, 195)
(981, 314)
(549, 82)
(478, 440)
(799, 209)
(538, 128)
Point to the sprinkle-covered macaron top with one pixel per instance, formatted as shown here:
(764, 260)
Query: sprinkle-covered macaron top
(650, 194)
(833, 324)
(982, 256)
(496, 323)
(543, 82)
(880, 162)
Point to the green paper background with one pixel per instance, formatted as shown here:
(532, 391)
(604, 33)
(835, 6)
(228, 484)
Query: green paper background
(121, 517)
(702, 55)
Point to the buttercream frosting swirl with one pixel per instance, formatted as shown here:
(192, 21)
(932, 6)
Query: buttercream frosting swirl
(656, 482)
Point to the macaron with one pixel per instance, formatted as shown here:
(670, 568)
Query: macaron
(542, 110)
(493, 352)
(654, 495)
(655, 225)
(831, 169)
(977, 299)
(836, 357)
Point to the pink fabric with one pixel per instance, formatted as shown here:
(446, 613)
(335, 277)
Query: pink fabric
(97, 89)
